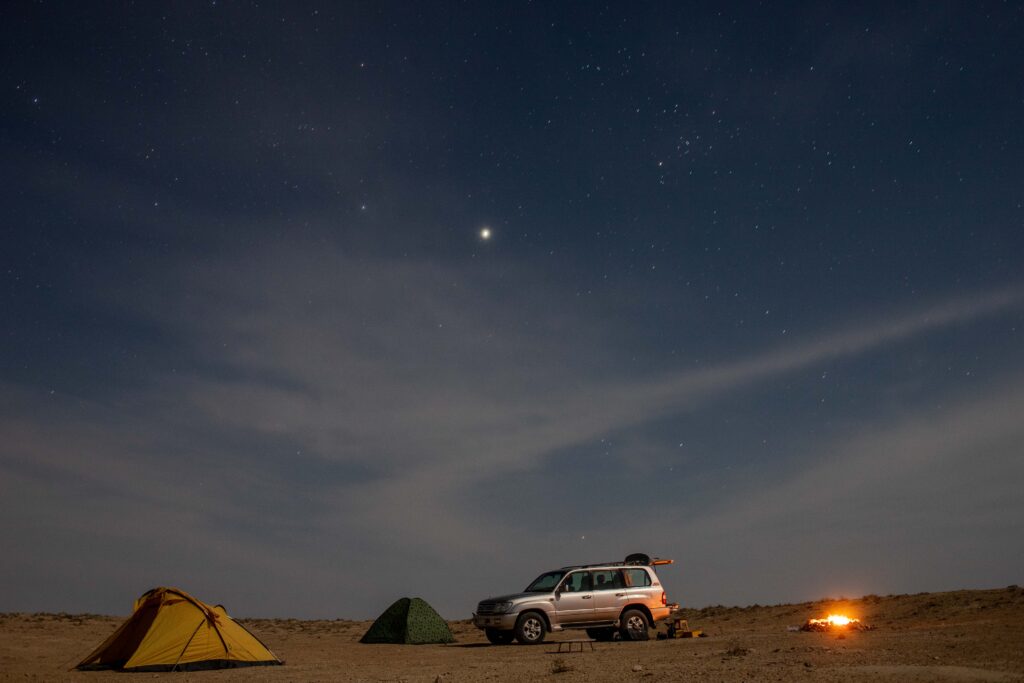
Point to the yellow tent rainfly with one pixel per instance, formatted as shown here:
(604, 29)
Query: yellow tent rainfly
(172, 631)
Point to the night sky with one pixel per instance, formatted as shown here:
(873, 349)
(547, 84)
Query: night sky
(308, 308)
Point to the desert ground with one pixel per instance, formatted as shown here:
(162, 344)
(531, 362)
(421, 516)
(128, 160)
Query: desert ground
(970, 635)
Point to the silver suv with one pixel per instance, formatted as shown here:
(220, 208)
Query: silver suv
(614, 598)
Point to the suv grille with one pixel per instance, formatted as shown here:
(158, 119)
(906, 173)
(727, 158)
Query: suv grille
(486, 607)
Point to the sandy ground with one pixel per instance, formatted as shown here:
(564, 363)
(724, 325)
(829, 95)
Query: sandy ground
(957, 636)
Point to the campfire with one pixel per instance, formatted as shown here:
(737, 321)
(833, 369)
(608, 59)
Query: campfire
(835, 622)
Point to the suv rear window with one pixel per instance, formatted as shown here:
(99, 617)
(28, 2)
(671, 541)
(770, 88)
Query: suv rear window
(637, 577)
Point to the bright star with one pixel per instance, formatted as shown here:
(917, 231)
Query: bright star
(485, 233)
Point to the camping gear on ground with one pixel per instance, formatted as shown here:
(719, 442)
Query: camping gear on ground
(679, 628)
(172, 631)
(409, 621)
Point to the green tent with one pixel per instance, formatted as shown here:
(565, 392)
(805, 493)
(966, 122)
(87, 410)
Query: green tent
(410, 621)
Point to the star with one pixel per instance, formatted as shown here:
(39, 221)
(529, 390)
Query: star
(485, 233)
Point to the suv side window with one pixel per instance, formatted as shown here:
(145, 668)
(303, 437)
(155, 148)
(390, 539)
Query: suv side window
(636, 578)
(608, 579)
(577, 582)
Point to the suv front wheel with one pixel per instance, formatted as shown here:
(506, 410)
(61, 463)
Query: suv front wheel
(633, 625)
(530, 629)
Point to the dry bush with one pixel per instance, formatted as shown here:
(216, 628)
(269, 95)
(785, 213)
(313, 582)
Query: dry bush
(560, 667)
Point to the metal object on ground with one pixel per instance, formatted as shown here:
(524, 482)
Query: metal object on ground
(568, 645)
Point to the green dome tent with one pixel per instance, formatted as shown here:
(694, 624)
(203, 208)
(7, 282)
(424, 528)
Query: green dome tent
(409, 621)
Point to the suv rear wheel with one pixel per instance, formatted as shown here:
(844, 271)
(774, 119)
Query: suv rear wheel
(530, 629)
(499, 637)
(633, 625)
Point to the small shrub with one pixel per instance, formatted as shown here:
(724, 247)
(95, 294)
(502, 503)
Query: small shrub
(560, 667)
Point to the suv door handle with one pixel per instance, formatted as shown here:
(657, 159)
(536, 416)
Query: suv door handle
(620, 595)
(586, 597)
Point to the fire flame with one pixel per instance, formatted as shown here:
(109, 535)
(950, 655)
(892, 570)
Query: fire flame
(835, 620)
(835, 623)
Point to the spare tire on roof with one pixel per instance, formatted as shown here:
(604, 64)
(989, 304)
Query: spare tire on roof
(638, 558)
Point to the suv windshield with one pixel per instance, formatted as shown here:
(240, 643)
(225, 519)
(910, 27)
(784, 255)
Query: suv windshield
(545, 583)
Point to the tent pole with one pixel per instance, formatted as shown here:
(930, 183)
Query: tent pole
(182, 653)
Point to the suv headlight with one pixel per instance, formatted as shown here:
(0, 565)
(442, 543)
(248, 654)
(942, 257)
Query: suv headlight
(502, 607)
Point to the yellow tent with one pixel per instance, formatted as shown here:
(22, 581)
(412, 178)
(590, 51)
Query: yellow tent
(172, 631)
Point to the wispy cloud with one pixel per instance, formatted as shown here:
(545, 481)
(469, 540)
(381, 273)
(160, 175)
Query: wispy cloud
(356, 401)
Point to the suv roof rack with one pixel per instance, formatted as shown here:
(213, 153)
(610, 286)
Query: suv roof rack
(633, 563)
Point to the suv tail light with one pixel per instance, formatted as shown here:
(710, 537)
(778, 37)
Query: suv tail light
(664, 600)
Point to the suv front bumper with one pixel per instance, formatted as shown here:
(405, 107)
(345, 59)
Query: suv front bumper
(502, 622)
